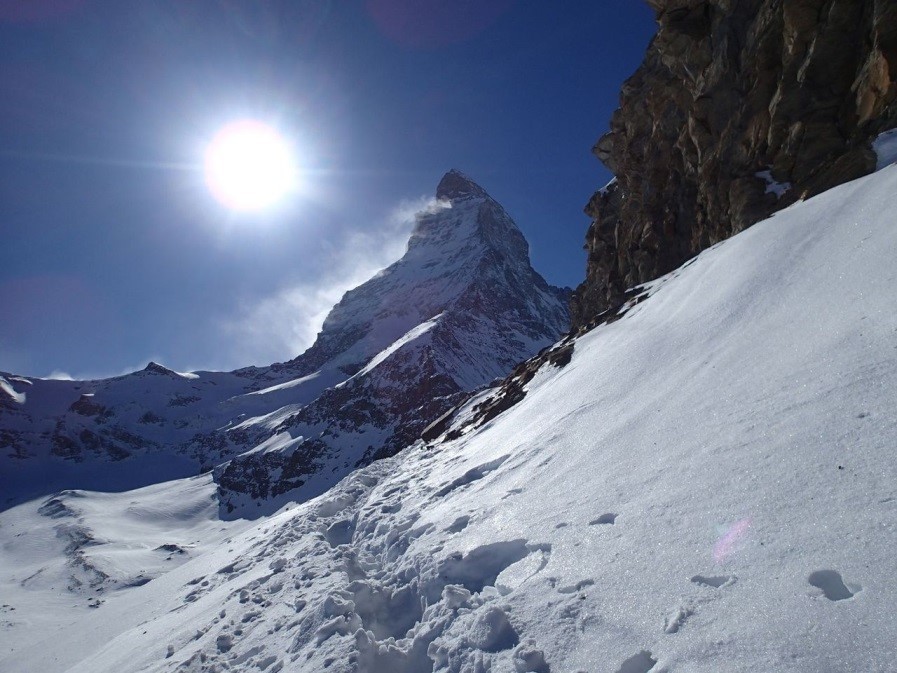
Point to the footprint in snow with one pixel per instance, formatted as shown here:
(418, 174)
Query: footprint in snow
(224, 642)
(677, 620)
(638, 663)
(605, 519)
(832, 585)
(459, 524)
(472, 475)
(715, 581)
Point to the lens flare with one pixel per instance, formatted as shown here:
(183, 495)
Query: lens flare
(728, 542)
(249, 166)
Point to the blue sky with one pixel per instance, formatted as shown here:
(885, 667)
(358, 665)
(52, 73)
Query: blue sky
(115, 253)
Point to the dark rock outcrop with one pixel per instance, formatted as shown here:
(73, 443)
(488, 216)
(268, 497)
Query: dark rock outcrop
(740, 108)
(86, 406)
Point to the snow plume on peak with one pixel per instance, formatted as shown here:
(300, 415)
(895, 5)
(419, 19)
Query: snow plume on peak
(279, 326)
(408, 211)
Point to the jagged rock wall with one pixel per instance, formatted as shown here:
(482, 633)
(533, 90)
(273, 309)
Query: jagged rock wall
(735, 102)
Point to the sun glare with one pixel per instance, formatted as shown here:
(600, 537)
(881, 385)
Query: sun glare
(249, 166)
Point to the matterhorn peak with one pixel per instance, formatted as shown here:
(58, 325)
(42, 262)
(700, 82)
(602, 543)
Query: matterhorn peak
(456, 185)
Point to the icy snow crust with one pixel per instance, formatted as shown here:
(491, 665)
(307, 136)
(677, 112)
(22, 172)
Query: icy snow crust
(708, 486)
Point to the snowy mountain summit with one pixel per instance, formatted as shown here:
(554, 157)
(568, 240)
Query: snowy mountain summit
(459, 309)
(466, 261)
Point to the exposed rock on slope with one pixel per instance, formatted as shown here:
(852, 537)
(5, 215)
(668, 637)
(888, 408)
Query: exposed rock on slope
(739, 109)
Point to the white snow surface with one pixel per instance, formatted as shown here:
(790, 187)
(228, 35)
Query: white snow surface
(287, 385)
(708, 486)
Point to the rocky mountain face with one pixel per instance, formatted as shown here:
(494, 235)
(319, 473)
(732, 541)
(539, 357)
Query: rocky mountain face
(740, 108)
(458, 310)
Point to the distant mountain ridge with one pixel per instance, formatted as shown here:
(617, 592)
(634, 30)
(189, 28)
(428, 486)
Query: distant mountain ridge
(459, 309)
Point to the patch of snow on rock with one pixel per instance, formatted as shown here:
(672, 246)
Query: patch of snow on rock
(885, 147)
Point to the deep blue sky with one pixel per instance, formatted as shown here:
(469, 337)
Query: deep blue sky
(113, 252)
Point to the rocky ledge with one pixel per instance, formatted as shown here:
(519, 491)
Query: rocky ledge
(740, 108)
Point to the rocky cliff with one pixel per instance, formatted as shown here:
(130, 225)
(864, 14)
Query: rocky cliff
(740, 108)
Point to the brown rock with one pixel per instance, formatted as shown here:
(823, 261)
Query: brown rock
(729, 89)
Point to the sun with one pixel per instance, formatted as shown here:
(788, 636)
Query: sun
(249, 166)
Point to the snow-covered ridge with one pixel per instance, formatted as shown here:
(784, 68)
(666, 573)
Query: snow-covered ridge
(411, 335)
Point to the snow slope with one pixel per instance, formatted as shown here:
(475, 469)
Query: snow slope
(709, 485)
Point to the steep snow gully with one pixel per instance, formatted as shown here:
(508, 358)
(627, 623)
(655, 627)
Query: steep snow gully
(708, 485)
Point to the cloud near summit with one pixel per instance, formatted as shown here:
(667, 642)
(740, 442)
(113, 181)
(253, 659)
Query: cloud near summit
(282, 325)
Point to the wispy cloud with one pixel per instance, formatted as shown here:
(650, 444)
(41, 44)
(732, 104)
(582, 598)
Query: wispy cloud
(281, 326)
